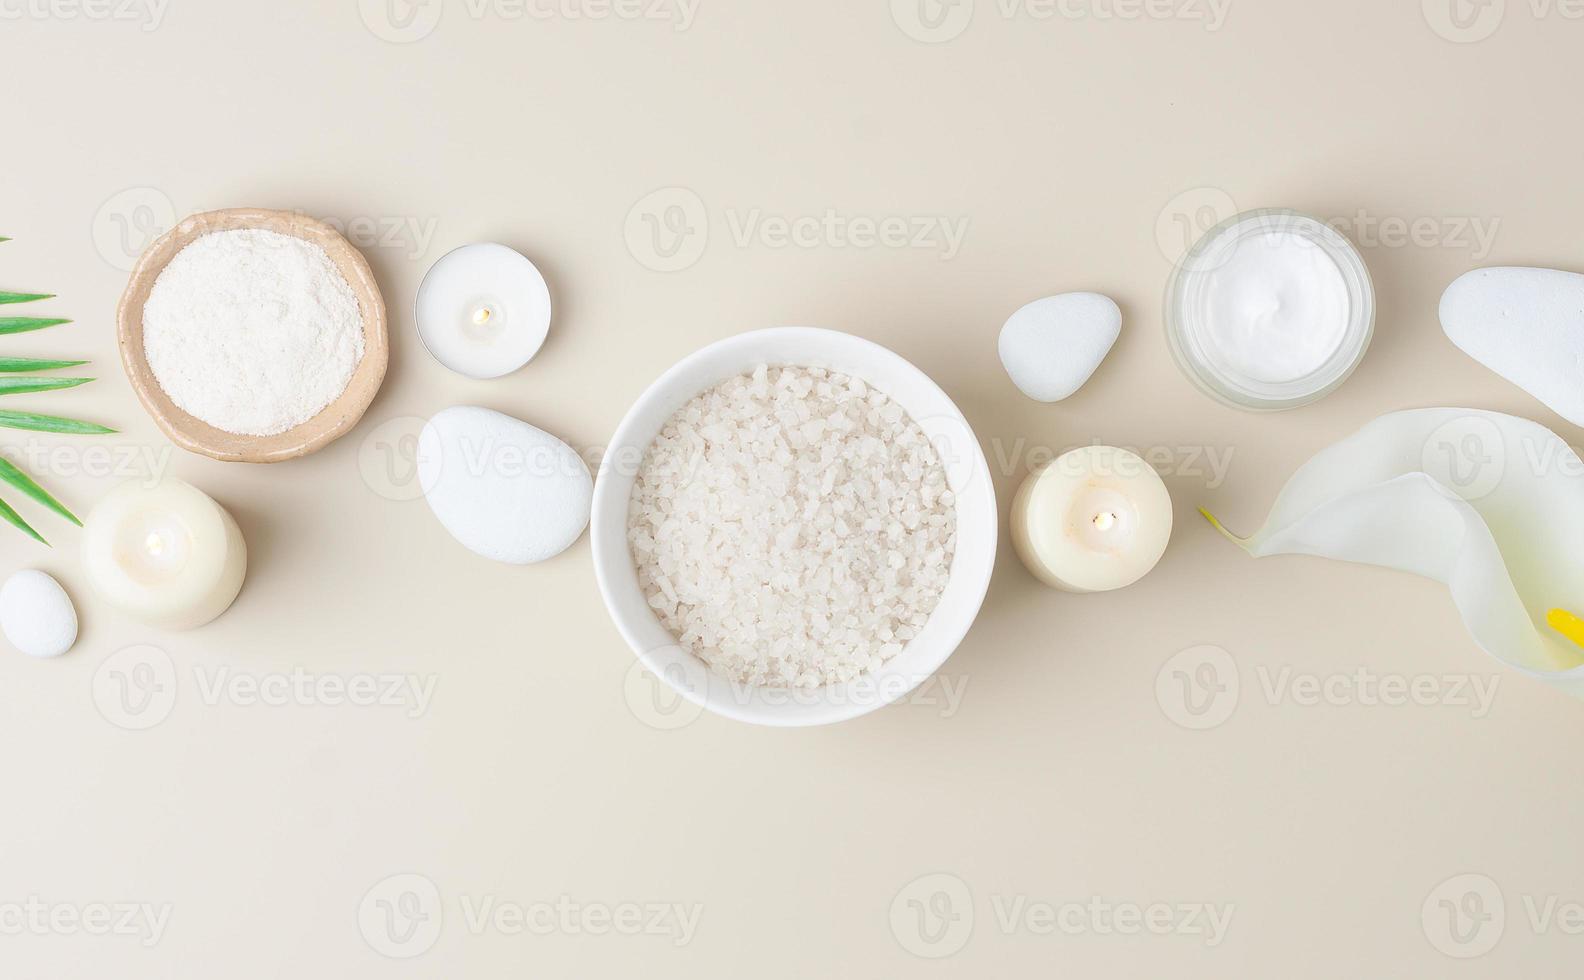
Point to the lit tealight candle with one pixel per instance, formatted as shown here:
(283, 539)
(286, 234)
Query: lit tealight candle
(483, 310)
(1094, 520)
(166, 554)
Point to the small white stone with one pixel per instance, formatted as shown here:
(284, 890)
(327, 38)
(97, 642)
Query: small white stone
(1052, 346)
(504, 489)
(37, 615)
(1527, 325)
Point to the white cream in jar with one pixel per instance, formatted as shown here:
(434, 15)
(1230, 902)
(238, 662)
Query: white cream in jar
(1270, 310)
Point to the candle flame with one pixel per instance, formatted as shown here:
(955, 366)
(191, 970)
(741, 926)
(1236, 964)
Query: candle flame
(482, 315)
(1105, 522)
(155, 544)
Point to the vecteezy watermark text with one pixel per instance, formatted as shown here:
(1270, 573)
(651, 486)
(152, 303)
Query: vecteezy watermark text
(668, 230)
(934, 916)
(567, 916)
(1200, 688)
(1211, 464)
(939, 21)
(94, 460)
(149, 14)
(676, 697)
(136, 688)
(406, 21)
(1187, 217)
(33, 916)
(403, 916)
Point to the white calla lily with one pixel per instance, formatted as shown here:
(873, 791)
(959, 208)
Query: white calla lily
(1489, 504)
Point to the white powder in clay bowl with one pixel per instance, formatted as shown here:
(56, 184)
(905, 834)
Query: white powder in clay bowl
(252, 331)
(792, 528)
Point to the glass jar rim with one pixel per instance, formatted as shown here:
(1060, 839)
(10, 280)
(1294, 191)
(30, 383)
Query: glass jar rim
(1184, 331)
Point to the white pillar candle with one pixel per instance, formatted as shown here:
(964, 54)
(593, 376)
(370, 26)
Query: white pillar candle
(166, 554)
(1094, 520)
(483, 310)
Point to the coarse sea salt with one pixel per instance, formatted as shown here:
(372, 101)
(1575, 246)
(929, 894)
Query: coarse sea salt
(792, 527)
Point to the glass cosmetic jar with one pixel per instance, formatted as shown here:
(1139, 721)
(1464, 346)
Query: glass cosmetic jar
(1270, 310)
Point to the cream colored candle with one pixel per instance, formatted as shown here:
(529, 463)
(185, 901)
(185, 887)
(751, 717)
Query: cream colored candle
(1094, 520)
(166, 555)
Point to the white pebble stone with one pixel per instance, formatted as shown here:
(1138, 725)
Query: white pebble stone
(36, 614)
(503, 488)
(1052, 346)
(1527, 325)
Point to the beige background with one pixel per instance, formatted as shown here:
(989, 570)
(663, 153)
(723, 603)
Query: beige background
(1075, 147)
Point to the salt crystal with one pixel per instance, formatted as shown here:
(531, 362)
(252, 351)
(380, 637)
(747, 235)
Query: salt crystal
(780, 503)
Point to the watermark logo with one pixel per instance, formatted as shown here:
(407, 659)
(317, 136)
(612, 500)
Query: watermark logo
(401, 917)
(658, 702)
(1199, 688)
(388, 458)
(135, 688)
(1465, 916)
(932, 21)
(1188, 217)
(1468, 456)
(128, 223)
(932, 917)
(668, 230)
(1464, 21)
(400, 21)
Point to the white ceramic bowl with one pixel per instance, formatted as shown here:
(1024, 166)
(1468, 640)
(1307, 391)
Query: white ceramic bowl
(968, 474)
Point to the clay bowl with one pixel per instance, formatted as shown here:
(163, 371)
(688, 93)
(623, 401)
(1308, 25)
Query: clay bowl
(195, 435)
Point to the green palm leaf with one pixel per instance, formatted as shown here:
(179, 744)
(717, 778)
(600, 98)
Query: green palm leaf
(50, 423)
(15, 520)
(23, 324)
(18, 365)
(26, 386)
(10, 474)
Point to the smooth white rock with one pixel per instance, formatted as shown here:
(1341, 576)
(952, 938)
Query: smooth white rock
(1527, 325)
(37, 615)
(505, 489)
(1052, 346)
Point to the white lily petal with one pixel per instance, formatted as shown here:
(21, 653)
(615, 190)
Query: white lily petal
(1489, 504)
